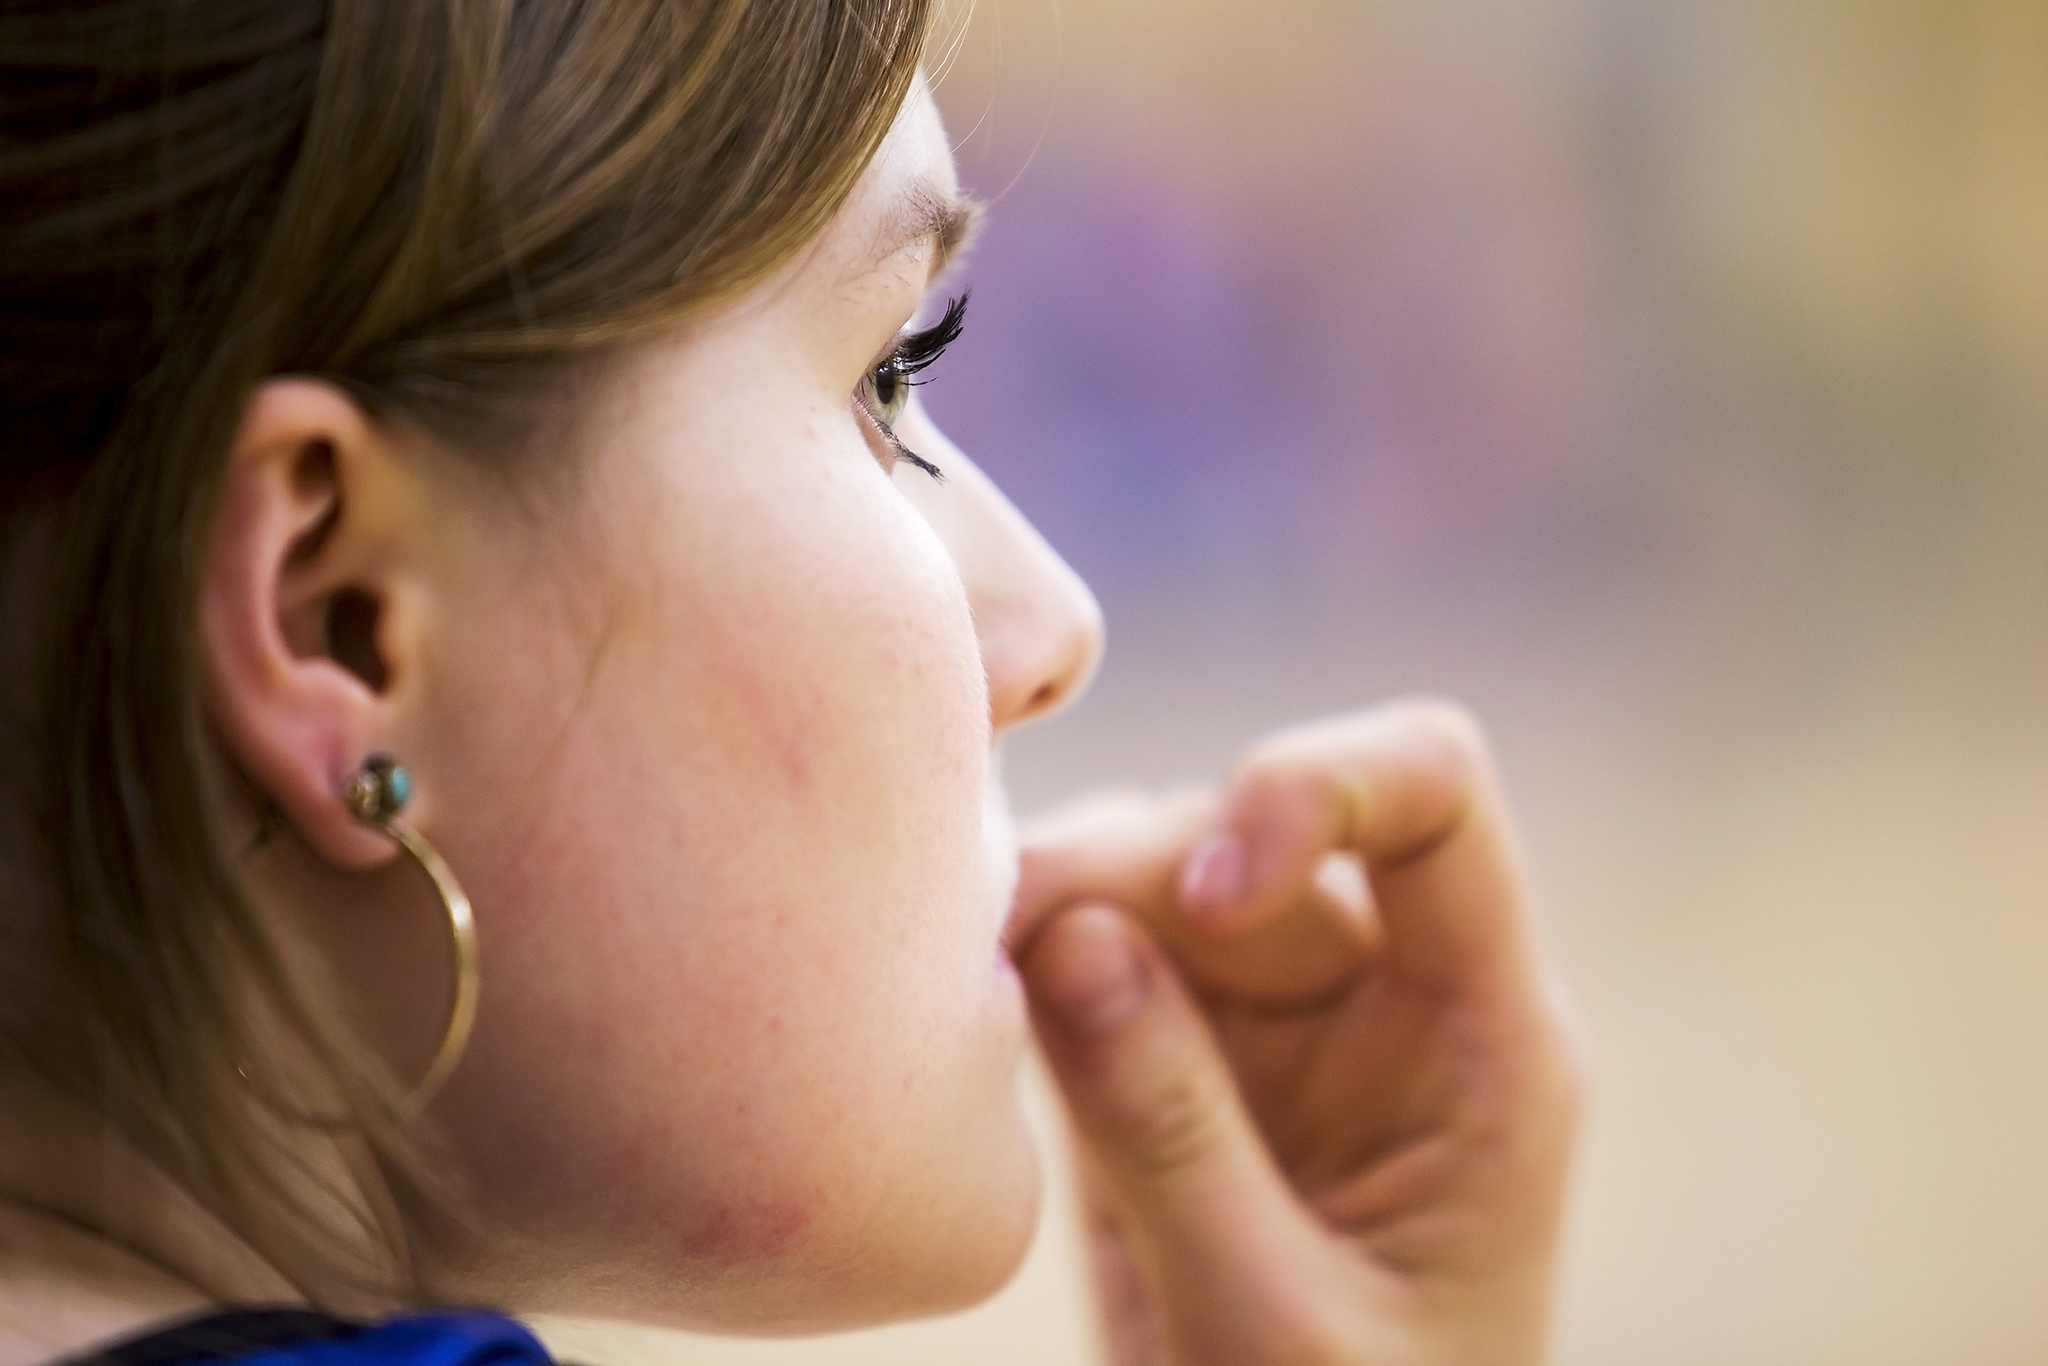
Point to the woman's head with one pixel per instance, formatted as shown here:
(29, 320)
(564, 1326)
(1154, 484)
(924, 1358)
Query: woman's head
(501, 405)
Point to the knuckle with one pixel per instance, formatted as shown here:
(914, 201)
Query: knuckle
(1421, 761)
(1449, 726)
(1282, 774)
(1175, 1125)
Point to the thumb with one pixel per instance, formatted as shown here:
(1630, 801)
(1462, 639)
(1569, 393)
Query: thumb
(1239, 1268)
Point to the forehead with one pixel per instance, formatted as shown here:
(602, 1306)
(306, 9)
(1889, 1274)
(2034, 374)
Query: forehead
(904, 204)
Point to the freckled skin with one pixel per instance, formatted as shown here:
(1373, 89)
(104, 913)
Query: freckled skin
(710, 751)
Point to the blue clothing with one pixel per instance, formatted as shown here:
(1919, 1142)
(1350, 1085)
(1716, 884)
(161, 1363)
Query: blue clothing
(297, 1337)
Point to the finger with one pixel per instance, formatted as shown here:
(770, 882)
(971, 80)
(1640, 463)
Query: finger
(1227, 1247)
(1410, 789)
(1129, 851)
(1123, 848)
(1132, 1326)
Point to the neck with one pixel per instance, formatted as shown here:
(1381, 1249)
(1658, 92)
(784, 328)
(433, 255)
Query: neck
(65, 1288)
(96, 1242)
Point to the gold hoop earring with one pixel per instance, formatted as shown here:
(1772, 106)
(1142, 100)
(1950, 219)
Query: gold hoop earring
(374, 795)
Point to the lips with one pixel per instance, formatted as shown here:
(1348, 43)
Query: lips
(1025, 920)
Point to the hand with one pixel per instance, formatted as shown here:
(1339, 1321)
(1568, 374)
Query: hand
(1323, 1091)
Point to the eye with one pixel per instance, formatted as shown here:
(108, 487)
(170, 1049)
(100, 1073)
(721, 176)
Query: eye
(884, 391)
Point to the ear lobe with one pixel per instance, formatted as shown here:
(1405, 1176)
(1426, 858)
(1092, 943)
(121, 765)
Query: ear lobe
(290, 541)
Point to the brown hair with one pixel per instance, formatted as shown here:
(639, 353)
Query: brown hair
(439, 204)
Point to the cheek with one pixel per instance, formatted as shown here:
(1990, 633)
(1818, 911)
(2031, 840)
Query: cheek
(739, 939)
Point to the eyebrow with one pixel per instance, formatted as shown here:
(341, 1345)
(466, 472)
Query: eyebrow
(927, 214)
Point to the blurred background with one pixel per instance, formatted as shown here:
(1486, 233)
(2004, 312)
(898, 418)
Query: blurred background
(1669, 380)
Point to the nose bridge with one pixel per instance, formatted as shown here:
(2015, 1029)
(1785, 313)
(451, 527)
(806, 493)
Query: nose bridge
(1039, 626)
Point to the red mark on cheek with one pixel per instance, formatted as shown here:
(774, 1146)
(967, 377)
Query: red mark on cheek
(796, 766)
(771, 714)
(748, 1231)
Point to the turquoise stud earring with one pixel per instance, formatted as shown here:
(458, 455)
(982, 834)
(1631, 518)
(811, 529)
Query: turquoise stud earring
(377, 790)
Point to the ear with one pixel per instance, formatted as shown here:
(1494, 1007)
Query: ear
(302, 607)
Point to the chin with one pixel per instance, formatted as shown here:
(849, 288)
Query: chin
(989, 1243)
(944, 1251)
(936, 1242)
(951, 1240)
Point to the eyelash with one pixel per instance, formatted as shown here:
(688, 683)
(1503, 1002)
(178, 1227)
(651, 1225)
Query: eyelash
(913, 354)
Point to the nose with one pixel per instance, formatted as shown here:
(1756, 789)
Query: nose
(1039, 626)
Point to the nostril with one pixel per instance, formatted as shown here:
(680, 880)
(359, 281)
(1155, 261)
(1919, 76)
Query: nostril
(1040, 632)
(1028, 679)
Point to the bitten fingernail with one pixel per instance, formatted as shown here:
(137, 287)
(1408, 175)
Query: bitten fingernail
(1214, 874)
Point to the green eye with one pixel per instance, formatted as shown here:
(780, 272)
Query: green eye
(886, 392)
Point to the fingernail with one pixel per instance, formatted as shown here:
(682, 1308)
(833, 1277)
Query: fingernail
(1214, 874)
(1096, 980)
